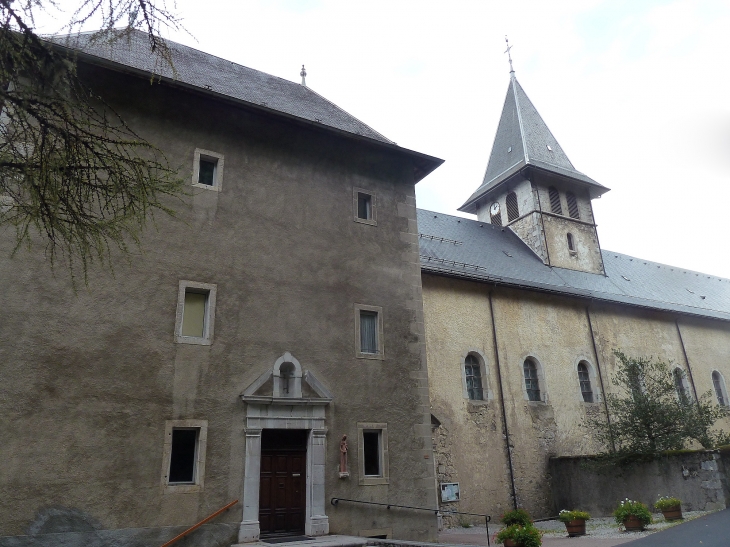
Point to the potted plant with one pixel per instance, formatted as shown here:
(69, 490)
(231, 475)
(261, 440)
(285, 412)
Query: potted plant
(670, 507)
(634, 515)
(575, 522)
(516, 535)
(516, 516)
(518, 531)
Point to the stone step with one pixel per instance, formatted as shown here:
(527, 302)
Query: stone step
(346, 541)
(320, 541)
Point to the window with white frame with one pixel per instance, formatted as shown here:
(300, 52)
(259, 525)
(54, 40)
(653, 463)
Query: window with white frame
(532, 381)
(183, 466)
(195, 313)
(369, 331)
(364, 206)
(718, 383)
(373, 453)
(473, 377)
(208, 170)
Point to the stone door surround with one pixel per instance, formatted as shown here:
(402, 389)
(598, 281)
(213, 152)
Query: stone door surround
(285, 411)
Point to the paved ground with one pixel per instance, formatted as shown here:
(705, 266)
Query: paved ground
(711, 530)
(603, 532)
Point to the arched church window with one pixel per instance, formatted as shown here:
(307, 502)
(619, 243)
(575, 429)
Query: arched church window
(571, 244)
(572, 205)
(718, 383)
(555, 205)
(473, 373)
(680, 384)
(513, 210)
(532, 383)
(585, 383)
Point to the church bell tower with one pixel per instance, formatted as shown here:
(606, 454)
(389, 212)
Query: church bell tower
(532, 187)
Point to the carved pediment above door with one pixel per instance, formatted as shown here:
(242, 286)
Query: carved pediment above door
(286, 383)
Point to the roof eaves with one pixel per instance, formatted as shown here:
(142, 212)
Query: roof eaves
(424, 164)
(576, 292)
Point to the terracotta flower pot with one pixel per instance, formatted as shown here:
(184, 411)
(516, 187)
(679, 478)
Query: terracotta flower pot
(673, 513)
(510, 543)
(576, 527)
(632, 524)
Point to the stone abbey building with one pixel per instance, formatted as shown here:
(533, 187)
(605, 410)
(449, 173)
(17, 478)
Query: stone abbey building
(524, 309)
(298, 297)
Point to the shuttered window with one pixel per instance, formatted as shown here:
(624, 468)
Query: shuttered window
(194, 314)
(555, 205)
(572, 205)
(513, 210)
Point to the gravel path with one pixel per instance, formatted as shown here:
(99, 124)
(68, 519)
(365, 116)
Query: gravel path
(600, 532)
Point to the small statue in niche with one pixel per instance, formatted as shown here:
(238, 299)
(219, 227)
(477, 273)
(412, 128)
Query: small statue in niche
(343, 458)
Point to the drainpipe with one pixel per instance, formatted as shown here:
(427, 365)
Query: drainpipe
(686, 360)
(504, 411)
(600, 377)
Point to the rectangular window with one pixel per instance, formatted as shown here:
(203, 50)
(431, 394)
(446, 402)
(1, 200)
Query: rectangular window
(208, 170)
(195, 313)
(369, 331)
(373, 453)
(183, 455)
(183, 462)
(364, 206)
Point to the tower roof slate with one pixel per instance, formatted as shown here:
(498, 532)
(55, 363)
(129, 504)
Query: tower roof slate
(469, 249)
(523, 139)
(211, 75)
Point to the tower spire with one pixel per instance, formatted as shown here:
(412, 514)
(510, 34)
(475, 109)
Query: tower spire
(509, 56)
(303, 74)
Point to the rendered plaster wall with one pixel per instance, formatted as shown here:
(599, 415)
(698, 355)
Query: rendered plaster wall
(699, 479)
(468, 444)
(707, 344)
(555, 333)
(91, 375)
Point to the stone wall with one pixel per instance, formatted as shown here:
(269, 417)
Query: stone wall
(698, 478)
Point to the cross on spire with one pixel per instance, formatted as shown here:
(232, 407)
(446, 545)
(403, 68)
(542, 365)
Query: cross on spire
(509, 55)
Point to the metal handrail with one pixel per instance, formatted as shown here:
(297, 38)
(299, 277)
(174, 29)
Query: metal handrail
(195, 527)
(487, 518)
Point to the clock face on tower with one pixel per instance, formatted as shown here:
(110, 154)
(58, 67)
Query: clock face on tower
(494, 209)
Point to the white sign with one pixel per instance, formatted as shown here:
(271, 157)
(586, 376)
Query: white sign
(449, 491)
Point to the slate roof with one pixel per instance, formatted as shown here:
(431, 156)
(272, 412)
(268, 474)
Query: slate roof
(212, 75)
(461, 247)
(522, 140)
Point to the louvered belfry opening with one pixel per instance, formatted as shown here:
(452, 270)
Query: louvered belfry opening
(572, 205)
(513, 210)
(555, 205)
(496, 219)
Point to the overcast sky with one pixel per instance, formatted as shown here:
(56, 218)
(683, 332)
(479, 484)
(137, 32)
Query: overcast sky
(636, 92)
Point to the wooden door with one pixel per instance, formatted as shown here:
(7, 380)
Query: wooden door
(282, 491)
